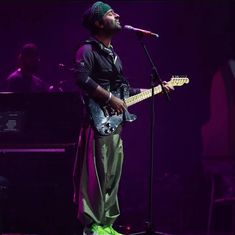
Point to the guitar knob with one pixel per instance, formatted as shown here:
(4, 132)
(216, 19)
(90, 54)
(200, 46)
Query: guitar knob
(112, 129)
(108, 124)
(107, 131)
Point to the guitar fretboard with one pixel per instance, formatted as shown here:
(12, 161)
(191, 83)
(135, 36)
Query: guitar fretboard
(142, 96)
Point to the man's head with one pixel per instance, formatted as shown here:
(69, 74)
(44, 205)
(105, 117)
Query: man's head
(100, 17)
(29, 57)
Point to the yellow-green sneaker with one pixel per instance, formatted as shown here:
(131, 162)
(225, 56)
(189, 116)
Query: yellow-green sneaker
(110, 230)
(98, 230)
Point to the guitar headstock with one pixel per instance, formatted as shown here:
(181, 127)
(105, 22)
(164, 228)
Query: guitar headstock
(179, 80)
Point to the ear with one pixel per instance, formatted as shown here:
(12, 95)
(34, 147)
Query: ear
(99, 24)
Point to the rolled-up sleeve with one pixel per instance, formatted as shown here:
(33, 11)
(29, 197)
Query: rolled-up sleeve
(84, 65)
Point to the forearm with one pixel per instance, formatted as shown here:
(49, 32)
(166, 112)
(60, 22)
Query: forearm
(101, 95)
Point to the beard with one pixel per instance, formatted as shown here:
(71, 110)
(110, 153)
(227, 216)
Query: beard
(112, 27)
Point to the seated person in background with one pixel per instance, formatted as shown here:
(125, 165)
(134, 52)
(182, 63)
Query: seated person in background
(24, 78)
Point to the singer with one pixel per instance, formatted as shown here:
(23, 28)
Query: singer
(99, 159)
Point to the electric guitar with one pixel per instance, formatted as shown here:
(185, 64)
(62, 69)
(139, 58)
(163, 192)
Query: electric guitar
(106, 121)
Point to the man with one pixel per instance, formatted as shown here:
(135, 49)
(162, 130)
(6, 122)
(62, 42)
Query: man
(99, 159)
(24, 78)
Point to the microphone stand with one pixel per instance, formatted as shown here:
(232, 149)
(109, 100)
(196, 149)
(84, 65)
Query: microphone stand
(154, 78)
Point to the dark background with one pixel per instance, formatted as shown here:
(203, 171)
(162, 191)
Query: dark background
(196, 40)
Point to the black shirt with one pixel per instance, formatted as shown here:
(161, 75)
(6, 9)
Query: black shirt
(98, 65)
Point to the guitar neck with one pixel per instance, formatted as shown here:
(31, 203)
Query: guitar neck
(142, 96)
(175, 81)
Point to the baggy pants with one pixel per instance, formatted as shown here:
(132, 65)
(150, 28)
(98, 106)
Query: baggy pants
(97, 172)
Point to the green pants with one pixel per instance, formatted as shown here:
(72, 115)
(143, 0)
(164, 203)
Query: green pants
(99, 171)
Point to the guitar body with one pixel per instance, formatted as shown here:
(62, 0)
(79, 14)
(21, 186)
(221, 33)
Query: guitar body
(104, 119)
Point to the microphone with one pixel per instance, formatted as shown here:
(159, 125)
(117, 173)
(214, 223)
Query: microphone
(141, 31)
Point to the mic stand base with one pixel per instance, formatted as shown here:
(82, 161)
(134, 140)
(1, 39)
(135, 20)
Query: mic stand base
(149, 231)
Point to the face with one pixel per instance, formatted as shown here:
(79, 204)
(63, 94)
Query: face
(111, 23)
(31, 63)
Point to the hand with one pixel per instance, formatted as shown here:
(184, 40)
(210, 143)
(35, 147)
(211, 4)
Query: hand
(117, 104)
(168, 86)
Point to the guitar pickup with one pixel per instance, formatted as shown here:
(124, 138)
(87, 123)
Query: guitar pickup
(108, 111)
(105, 111)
